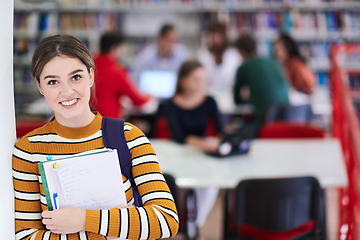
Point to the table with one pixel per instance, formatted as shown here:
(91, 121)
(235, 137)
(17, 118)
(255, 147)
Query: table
(321, 158)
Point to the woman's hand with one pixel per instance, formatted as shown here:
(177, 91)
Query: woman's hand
(65, 220)
(211, 144)
(206, 144)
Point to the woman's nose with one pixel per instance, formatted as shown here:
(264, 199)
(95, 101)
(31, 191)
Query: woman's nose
(67, 88)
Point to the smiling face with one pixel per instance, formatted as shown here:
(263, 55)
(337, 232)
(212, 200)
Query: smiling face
(65, 83)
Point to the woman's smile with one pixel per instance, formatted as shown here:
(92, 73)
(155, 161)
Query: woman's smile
(69, 102)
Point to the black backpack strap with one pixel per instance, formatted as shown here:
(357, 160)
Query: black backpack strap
(113, 136)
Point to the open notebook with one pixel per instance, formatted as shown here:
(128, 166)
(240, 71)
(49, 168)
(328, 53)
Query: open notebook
(88, 180)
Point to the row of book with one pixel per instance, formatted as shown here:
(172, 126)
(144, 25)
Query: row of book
(303, 25)
(47, 23)
(66, 4)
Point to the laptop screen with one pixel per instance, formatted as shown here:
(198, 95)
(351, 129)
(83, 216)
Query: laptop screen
(160, 84)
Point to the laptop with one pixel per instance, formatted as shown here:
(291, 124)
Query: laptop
(237, 142)
(158, 83)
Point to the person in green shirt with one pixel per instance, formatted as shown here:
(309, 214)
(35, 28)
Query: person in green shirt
(258, 80)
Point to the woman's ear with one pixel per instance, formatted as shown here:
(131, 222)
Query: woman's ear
(92, 77)
(38, 86)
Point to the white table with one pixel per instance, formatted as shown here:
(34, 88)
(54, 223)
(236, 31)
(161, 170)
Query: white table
(321, 158)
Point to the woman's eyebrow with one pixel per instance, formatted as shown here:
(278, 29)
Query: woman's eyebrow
(75, 71)
(51, 76)
(71, 73)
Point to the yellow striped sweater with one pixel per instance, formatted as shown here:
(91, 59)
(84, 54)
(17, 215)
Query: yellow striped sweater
(157, 219)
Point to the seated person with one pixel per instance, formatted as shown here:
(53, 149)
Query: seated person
(188, 113)
(166, 54)
(258, 81)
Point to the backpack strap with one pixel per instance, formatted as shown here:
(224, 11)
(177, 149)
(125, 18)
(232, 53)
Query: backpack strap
(113, 136)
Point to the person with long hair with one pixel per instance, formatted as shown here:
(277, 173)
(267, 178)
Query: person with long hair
(301, 78)
(190, 113)
(63, 70)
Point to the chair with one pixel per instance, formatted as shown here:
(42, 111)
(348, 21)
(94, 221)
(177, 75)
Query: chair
(187, 211)
(162, 129)
(290, 130)
(275, 209)
(300, 113)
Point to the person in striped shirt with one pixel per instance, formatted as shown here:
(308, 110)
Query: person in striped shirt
(63, 70)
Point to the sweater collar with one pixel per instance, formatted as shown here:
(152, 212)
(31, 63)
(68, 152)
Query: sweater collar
(80, 132)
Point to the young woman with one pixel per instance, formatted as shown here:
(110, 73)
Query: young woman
(189, 113)
(63, 70)
(301, 79)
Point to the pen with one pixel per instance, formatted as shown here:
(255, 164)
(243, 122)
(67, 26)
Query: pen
(55, 195)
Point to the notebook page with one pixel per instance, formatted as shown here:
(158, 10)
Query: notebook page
(91, 181)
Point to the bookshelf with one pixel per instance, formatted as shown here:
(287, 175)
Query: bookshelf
(316, 24)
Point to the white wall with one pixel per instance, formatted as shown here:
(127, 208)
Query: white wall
(7, 123)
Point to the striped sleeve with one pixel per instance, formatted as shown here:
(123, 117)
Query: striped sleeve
(158, 218)
(30, 199)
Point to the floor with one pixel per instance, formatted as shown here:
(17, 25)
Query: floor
(212, 230)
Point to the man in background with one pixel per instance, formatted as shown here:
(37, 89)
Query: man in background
(112, 80)
(258, 80)
(166, 54)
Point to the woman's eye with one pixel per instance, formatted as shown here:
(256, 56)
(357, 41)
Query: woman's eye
(52, 82)
(76, 77)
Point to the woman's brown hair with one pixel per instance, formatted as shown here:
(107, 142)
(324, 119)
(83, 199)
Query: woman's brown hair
(186, 68)
(59, 45)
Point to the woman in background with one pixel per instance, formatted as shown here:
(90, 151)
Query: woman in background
(302, 81)
(63, 70)
(189, 113)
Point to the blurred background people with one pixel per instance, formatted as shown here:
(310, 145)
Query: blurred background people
(188, 114)
(220, 61)
(113, 80)
(301, 79)
(258, 81)
(166, 54)
(190, 111)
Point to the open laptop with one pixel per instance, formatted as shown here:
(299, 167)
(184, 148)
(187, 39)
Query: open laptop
(158, 83)
(237, 142)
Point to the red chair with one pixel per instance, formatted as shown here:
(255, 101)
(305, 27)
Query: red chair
(290, 130)
(162, 128)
